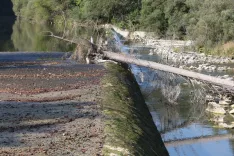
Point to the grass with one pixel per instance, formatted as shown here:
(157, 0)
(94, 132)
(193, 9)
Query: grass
(226, 49)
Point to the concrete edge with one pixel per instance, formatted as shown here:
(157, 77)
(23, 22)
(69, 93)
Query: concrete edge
(129, 128)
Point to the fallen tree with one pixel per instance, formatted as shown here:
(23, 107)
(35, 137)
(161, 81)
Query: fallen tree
(202, 77)
(93, 52)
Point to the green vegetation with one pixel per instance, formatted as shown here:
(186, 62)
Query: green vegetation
(30, 37)
(208, 22)
(129, 127)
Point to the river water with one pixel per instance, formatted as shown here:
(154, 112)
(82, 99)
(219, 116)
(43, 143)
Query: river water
(184, 126)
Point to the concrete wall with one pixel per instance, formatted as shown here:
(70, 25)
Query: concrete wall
(129, 128)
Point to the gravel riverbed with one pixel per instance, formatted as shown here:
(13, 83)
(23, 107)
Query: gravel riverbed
(50, 108)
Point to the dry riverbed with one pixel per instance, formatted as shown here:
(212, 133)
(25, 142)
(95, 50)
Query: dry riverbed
(49, 108)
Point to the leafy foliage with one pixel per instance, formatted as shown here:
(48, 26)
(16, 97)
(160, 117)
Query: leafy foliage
(208, 22)
(153, 16)
(29, 37)
(211, 22)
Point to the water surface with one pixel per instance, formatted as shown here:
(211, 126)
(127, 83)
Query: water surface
(21, 35)
(184, 126)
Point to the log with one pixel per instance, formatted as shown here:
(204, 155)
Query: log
(153, 65)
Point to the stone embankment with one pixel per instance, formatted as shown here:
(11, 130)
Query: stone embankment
(175, 53)
(50, 106)
(221, 111)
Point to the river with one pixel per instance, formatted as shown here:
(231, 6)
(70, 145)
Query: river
(184, 126)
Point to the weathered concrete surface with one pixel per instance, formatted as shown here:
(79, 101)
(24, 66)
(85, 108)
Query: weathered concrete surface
(53, 107)
(129, 127)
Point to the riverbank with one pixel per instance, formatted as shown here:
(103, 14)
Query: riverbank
(177, 53)
(51, 106)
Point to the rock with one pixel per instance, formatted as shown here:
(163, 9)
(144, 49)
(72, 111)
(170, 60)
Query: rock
(199, 69)
(225, 102)
(213, 107)
(151, 53)
(139, 34)
(222, 68)
(213, 67)
(224, 125)
(192, 67)
(225, 76)
(218, 118)
(232, 111)
(209, 97)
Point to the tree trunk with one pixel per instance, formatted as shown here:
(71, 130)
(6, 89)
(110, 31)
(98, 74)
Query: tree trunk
(210, 79)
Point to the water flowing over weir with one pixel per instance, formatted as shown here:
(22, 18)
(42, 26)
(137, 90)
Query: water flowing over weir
(143, 75)
(177, 106)
(147, 78)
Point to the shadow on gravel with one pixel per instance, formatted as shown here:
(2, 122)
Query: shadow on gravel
(23, 123)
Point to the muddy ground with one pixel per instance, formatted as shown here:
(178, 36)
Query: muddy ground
(50, 108)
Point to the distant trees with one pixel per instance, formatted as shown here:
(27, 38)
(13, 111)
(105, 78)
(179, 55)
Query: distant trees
(114, 11)
(176, 13)
(211, 22)
(208, 22)
(153, 16)
(42, 10)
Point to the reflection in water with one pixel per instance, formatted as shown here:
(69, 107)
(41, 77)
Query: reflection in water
(178, 108)
(182, 124)
(186, 121)
(32, 37)
(212, 148)
(6, 23)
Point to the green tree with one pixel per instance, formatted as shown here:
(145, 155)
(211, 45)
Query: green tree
(176, 12)
(153, 16)
(108, 10)
(211, 22)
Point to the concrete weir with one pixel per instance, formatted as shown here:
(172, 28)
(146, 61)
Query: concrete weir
(129, 128)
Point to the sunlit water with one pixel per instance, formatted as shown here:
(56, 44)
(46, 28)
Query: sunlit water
(181, 126)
